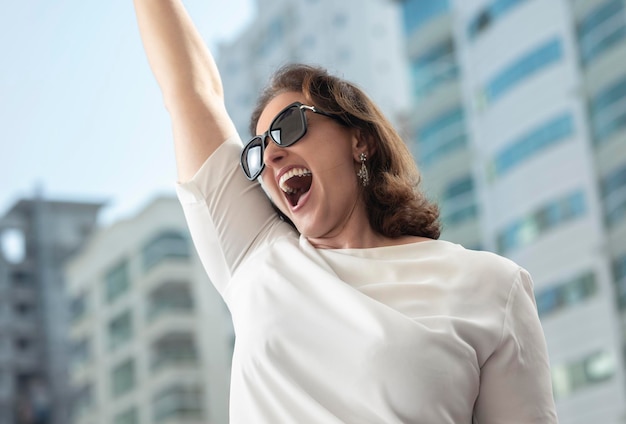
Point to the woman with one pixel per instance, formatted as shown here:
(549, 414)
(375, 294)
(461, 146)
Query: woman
(351, 311)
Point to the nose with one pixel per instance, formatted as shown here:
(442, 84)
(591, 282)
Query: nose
(273, 154)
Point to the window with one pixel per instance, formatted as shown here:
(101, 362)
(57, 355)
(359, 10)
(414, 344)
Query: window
(83, 401)
(588, 371)
(80, 352)
(120, 330)
(78, 308)
(13, 245)
(174, 349)
(23, 345)
(489, 15)
(129, 416)
(458, 202)
(613, 188)
(440, 137)
(24, 309)
(123, 378)
(531, 144)
(524, 68)
(178, 402)
(529, 228)
(168, 244)
(174, 297)
(619, 278)
(21, 278)
(416, 13)
(601, 29)
(564, 294)
(117, 281)
(431, 69)
(608, 111)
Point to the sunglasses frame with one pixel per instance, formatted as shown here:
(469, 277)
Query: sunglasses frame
(302, 108)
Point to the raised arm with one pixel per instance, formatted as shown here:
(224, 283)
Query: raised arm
(189, 80)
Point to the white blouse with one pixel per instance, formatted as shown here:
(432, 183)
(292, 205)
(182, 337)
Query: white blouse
(419, 333)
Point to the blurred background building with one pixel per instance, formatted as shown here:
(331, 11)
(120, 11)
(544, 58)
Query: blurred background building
(39, 237)
(541, 117)
(151, 340)
(360, 40)
(515, 111)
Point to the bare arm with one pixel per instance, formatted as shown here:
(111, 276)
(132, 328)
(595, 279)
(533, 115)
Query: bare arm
(189, 80)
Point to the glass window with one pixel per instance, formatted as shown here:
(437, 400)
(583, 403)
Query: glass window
(78, 307)
(619, 268)
(440, 137)
(489, 15)
(117, 281)
(123, 378)
(524, 68)
(599, 367)
(601, 29)
(166, 245)
(613, 188)
(432, 68)
(527, 229)
(80, 352)
(174, 297)
(608, 111)
(83, 402)
(120, 330)
(416, 13)
(565, 294)
(173, 350)
(178, 402)
(533, 143)
(582, 373)
(458, 202)
(619, 278)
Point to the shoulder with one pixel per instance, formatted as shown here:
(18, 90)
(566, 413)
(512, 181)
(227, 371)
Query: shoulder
(481, 271)
(478, 260)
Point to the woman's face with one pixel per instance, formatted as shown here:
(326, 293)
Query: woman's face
(314, 182)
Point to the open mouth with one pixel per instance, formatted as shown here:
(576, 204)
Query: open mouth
(295, 183)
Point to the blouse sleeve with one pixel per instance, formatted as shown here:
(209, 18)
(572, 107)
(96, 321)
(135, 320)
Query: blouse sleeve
(515, 381)
(228, 216)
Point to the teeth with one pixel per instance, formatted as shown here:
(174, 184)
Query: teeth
(295, 172)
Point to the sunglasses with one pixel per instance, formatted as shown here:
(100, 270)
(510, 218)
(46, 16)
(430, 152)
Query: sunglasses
(286, 129)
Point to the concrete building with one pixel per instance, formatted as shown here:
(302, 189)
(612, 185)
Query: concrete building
(151, 338)
(437, 127)
(38, 237)
(544, 104)
(355, 39)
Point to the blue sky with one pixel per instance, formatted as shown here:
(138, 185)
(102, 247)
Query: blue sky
(81, 116)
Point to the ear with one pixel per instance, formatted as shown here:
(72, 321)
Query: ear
(362, 143)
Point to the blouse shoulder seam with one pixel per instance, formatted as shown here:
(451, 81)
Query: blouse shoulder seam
(509, 301)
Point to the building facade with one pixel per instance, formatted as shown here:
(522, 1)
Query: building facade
(437, 126)
(354, 39)
(38, 236)
(151, 339)
(543, 99)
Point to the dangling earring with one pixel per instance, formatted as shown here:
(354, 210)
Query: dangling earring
(363, 175)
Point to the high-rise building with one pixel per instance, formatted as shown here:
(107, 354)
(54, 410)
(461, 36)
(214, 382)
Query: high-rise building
(543, 89)
(38, 236)
(151, 340)
(355, 39)
(437, 127)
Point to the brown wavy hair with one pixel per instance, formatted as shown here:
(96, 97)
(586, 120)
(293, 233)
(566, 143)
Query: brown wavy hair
(395, 205)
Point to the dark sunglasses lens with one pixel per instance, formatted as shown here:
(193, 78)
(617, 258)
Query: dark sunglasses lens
(252, 158)
(288, 127)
